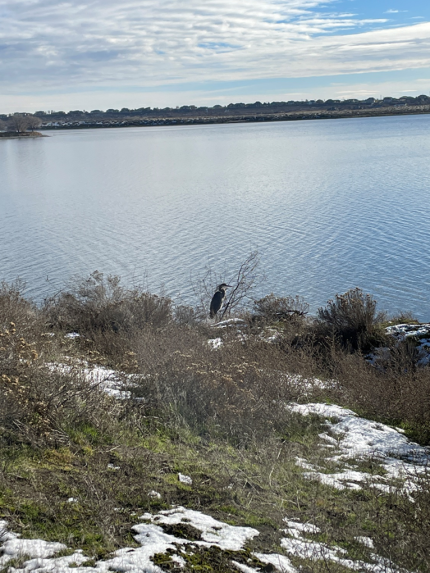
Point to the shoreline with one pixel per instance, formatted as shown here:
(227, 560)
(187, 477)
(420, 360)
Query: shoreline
(244, 118)
(30, 135)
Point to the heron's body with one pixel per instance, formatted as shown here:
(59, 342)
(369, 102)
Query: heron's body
(217, 299)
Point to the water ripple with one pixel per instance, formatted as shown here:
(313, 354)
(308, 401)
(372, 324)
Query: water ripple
(330, 205)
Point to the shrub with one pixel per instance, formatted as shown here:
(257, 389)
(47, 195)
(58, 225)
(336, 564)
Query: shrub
(100, 304)
(352, 318)
(237, 391)
(273, 308)
(38, 402)
(15, 308)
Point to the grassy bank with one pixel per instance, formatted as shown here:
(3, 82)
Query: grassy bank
(25, 135)
(79, 466)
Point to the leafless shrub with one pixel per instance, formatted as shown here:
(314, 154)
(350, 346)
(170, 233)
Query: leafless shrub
(14, 307)
(100, 304)
(37, 403)
(352, 317)
(41, 406)
(185, 315)
(404, 317)
(273, 308)
(237, 390)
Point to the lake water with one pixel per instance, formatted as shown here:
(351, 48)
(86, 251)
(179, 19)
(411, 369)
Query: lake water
(329, 205)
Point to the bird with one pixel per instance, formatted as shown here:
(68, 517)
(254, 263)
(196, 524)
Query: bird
(218, 299)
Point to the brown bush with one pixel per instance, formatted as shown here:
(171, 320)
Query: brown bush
(15, 308)
(233, 390)
(272, 308)
(38, 402)
(106, 315)
(352, 318)
(100, 303)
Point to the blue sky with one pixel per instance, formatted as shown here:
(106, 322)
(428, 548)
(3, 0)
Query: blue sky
(98, 54)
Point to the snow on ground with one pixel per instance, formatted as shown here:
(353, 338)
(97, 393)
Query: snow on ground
(215, 342)
(185, 479)
(300, 546)
(111, 381)
(13, 546)
(280, 562)
(351, 437)
(402, 331)
(214, 532)
(237, 322)
(419, 332)
(39, 556)
(306, 386)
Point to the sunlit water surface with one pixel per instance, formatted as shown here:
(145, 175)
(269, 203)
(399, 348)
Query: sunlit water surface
(329, 205)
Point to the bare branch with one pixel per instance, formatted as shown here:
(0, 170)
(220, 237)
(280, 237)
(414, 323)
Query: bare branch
(243, 283)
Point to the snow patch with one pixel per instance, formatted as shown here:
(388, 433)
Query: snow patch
(185, 479)
(214, 532)
(110, 381)
(304, 548)
(215, 343)
(357, 437)
(13, 547)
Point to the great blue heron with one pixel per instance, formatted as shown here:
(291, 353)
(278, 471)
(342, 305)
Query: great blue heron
(218, 299)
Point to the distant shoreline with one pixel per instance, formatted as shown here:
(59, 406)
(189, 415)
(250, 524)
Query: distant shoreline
(200, 119)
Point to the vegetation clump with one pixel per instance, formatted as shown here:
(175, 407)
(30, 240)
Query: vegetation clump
(273, 308)
(352, 318)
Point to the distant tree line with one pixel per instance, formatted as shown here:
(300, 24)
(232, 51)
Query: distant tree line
(21, 122)
(216, 109)
(186, 109)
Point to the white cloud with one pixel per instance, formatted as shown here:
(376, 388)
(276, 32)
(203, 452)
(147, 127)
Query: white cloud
(48, 46)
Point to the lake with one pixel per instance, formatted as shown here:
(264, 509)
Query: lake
(329, 205)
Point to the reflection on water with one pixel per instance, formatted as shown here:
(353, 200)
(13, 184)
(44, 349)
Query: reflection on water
(329, 205)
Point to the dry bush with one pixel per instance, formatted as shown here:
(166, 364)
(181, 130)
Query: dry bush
(273, 308)
(237, 391)
(186, 315)
(37, 403)
(100, 303)
(41, 407)
(15, 308)
(352, 318)
(404, 317)
(106, 315)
